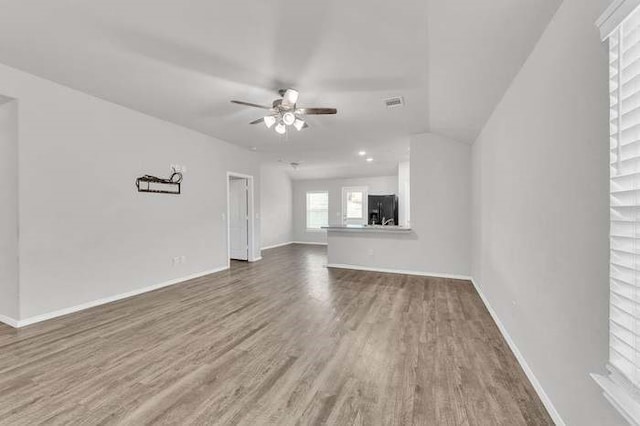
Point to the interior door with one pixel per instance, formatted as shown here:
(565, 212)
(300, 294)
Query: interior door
(354, 205)
(239, 219)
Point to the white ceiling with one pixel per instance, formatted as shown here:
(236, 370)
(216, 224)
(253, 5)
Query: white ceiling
(184, 61)
(476, 48)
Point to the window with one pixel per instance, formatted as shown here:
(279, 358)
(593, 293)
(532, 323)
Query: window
(354, 205)
(623, 384)
(317, 209)
(625, 200)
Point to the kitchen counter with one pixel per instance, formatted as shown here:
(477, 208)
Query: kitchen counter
(371, 247)
(367, 228)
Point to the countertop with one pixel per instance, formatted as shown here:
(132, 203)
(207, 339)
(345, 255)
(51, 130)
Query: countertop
(366, 228)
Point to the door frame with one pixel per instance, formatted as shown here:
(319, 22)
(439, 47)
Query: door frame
(251, 213)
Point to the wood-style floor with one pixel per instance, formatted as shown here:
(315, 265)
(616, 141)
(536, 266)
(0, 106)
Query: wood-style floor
(282, 341)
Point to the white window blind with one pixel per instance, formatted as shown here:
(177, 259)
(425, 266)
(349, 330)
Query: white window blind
(624, 65)
(317, 209)
(620, 24)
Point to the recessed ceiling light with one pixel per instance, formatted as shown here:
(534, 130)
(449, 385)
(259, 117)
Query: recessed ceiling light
(253, 148)
(362, 153)
(369, 160)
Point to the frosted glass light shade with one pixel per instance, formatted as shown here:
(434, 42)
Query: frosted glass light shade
(288, 118)
(298, 124)
(269, 121)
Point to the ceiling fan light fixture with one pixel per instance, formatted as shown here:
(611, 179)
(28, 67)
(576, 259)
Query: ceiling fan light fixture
(298, 124)
(290, 96)
(288, 118)
(269, 121)
(284, 112)
(281, 128)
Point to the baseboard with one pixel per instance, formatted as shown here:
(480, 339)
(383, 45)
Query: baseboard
(9, 321)
(257, 259)
(94, 303)
(546, 401)
(277, 245)
(399, 271)
(309, 243)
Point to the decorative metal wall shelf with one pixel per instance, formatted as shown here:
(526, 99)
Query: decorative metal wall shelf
(156, 185)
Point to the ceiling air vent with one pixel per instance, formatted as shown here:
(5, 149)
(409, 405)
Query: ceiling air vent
(394, 102)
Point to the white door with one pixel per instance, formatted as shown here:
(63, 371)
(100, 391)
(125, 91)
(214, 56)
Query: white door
(238, 219)
(354, 205)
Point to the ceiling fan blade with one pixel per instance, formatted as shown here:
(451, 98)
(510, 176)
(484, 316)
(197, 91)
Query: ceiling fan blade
(290, 97)
(258, 121)
(316, 111)
(250, 104)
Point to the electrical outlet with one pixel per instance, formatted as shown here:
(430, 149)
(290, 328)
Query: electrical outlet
(179, 260)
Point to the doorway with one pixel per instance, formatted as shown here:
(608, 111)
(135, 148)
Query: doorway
(240, 227)
(354, 205)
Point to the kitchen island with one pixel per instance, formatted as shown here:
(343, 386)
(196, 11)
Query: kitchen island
(379, 248)
(369, 247)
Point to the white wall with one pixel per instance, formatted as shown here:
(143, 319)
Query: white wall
(379, 185)
(85, 233)
(440, 240)
(404, 193)
(540, 212)
(276, 206)
(9, 208)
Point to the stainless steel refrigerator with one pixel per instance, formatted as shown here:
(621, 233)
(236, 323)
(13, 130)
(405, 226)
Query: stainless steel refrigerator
(383, 210)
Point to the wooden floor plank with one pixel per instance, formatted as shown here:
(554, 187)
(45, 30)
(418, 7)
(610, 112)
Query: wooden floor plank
(283, 341)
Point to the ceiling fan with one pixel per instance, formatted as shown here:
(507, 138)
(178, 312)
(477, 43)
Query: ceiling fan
(284, 112)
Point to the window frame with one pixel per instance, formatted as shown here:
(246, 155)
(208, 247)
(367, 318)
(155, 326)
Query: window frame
(307, 210)
(365, 203)
(618, 387)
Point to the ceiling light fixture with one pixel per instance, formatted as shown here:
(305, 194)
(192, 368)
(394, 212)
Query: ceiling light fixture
(362, 153)
(298, 124)
(281, 128)
(369, 160)
(269, 121)
(284, 112)
(288, 118)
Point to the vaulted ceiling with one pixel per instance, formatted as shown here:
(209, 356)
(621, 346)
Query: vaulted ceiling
(451, 61)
